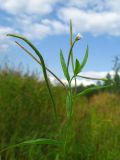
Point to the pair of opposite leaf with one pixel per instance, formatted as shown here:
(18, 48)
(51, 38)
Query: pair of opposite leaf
(78, 66)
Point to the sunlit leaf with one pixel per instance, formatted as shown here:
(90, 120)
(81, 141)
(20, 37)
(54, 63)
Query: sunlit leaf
(64, 67)
(77, 67)
(85, 58)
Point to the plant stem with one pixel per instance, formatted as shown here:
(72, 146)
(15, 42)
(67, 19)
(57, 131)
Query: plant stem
(40, 63)
(102, 79)
(70, 52)
(72, 58)
(68, 123)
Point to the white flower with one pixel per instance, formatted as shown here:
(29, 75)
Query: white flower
(79, 36)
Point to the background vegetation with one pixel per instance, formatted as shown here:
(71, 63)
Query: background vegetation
(25, 113)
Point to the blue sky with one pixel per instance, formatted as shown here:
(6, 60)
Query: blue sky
(46, 24)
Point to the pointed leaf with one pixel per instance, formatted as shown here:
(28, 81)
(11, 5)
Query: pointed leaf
(85, 58)
(77, 67)
(99, 79)
(91, 89)
(41, 141)
(42, 64)
(64, 67)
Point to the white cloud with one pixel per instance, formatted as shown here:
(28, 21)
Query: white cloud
(35, 29)
(95, 74)
(86, 3)
(85, 82)
(93, 16)
(30, 6)
(112, 5)
(56, 26)
(96, 5)
(32, 28)
(92, 21)
(4, 43)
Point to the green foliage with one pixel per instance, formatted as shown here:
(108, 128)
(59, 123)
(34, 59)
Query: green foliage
(26, 113)
(32, 142)
(65, 148)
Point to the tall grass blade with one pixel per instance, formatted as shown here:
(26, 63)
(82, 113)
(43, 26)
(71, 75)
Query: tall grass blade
(42, 64)
(41, 141)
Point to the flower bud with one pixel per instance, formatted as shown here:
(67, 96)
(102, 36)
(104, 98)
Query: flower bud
(78, 37)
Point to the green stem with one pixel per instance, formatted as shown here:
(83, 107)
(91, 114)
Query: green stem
(102, 79)
(68, 123)
(75, 85)
(72, 58)
(40, 63)
(70, 52)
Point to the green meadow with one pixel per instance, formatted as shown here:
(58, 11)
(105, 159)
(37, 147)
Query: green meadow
(26, 113)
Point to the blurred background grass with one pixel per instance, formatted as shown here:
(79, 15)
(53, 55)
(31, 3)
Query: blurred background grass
(26, 113)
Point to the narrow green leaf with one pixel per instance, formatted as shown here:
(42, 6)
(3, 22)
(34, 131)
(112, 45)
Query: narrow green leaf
(42, 64)
(41, 141)
(99, 79)
(64, 67)
(69, 105)
(91, 89)
(77, 67)
(70, 32)
(85, 58)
